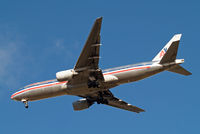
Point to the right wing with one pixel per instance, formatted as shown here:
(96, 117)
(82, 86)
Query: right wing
(115, 102)
(107, 98)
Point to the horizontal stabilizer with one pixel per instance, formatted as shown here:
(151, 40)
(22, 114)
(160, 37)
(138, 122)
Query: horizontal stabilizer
(180, 70)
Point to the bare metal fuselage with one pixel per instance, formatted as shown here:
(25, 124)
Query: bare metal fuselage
(116, 77)
(88, 81)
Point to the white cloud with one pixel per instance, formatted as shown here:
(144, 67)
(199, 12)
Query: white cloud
(63, 47)
(9, 50)
(59, 43)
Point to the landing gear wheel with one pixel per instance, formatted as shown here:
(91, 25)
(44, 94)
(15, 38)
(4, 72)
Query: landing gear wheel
(98, 102)
(26, 104)
(102, 101)
(93, 84)
(98, 86)
(105, 101)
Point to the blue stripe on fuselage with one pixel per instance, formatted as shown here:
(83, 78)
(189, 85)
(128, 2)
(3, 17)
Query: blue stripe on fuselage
(128, 66)
(41, 83)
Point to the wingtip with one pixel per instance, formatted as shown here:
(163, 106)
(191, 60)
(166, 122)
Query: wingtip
(189, 73)
(140, 111)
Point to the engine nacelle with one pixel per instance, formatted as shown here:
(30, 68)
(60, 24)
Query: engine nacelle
(81, 104)
(65, 75)
(110, 78)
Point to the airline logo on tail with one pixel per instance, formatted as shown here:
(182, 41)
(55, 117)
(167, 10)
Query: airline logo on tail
(162, 53)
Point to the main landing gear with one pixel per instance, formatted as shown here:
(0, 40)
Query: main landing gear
(25, 103)
(93, 84)
(101, 99)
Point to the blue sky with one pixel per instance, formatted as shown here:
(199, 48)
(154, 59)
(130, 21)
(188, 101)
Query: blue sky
(40, 38)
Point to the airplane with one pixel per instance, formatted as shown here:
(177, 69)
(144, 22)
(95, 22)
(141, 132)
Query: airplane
(93, 84)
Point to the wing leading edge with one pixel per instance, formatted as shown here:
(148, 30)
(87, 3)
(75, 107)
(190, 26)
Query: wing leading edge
(87, 66)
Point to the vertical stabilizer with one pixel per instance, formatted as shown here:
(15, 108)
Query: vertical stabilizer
(168, 55)
(169, 52)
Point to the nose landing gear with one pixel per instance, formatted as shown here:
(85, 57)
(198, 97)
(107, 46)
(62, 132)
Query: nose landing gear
(25, 103)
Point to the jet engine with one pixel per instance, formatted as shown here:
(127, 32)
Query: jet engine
(65, 75)
(81, 104)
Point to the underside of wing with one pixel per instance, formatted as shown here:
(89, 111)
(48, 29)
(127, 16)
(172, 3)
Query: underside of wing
(87, 66)
(89, 58)
(115, 102)
(107, 98)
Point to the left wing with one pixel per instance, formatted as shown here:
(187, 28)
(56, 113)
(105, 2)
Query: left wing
(89, 58)
(87, 66)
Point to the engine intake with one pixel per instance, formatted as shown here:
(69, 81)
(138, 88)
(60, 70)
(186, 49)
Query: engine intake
(65, 75)
(81, 104)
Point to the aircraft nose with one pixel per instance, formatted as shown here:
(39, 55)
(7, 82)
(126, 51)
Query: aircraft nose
(13, 97)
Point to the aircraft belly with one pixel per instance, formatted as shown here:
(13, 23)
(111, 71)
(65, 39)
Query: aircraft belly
(80, 89)
(124, 77)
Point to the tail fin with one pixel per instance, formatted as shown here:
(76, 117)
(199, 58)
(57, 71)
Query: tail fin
(169, 52)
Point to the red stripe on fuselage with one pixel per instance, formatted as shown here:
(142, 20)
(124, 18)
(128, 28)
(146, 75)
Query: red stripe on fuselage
(28, 89)
(40, 82)
(114, 72)
(130, 69)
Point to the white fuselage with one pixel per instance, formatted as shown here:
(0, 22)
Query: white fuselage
(112, 77)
